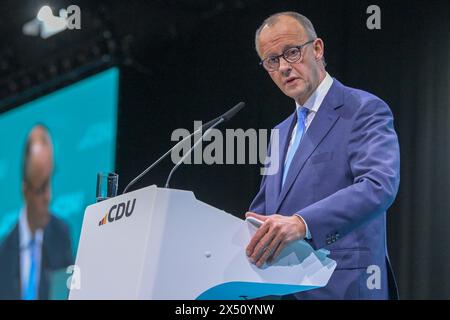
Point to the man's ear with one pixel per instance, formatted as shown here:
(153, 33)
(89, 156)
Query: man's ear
(24, 189)
(318, 48)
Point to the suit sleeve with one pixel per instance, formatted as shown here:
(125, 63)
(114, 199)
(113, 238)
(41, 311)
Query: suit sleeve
(58, 245)
(66, 247)
(374, 159)
(258, 204)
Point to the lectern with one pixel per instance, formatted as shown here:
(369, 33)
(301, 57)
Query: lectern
(157, 243)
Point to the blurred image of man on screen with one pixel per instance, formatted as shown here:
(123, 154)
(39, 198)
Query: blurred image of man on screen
(40, 242)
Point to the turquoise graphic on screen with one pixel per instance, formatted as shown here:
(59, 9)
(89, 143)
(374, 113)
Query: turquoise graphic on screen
(82, 120)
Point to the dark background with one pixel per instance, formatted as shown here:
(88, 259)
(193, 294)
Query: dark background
(191, 60)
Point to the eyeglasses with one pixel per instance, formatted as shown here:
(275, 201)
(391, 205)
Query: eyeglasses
(291, 55)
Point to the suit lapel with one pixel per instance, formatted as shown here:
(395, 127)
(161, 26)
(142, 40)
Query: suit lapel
(274, 182)
(321, 125)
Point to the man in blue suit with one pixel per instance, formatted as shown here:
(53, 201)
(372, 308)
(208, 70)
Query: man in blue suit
(40, 243)
(339, 167)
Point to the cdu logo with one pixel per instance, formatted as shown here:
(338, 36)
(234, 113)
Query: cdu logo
(117, 212)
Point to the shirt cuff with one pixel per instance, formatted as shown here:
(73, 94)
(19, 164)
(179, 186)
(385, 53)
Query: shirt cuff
(307, 233)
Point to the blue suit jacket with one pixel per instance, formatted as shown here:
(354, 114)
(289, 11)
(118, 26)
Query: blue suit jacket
(343, 178)
(56, 254)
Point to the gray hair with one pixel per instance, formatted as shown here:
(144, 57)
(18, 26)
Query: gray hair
(304, 22)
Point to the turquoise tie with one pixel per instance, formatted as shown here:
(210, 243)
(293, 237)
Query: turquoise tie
(31, 289)
(302, 113)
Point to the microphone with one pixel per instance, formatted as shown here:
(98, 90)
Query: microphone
(224, 117)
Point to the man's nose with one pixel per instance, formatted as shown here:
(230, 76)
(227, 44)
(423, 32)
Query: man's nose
(285, 67)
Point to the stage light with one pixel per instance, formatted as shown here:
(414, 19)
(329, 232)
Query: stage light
(46, 24)
(50, 24)
(45, 14)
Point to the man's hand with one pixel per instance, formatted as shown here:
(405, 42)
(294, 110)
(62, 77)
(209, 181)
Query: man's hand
(272, 236)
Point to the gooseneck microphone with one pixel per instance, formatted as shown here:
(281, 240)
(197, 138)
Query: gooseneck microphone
(191, 149)
(225, 117)
(207, 126)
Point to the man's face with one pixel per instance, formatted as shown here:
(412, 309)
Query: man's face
(37, 189)
(297, 80)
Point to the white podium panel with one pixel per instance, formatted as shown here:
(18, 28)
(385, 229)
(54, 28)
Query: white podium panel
(157, 243)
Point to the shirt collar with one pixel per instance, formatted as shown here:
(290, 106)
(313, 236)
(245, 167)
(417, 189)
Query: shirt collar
(315, 100)
(25, 233)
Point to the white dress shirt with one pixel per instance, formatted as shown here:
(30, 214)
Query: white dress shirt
(312, 104)
(25, 250)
